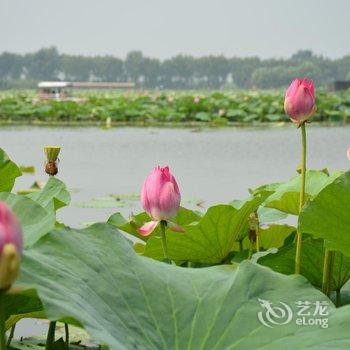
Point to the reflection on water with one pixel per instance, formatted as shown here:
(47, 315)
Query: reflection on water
(216, 165)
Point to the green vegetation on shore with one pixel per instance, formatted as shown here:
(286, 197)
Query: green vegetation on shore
(214, 108)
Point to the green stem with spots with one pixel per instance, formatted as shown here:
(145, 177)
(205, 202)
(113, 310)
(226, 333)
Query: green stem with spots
(301, 196)
(257, 233)
(163, 226)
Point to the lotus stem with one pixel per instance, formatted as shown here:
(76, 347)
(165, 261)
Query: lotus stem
(340, 265)
(338, 298)
(163, 226)
(12, 333)
(250, 252)
(257, 232)
(240, 245)
(66, 330)
(327, 271)
(325, 275)
(301, 197)
(2, 323)
(254, 227)
(50, 335)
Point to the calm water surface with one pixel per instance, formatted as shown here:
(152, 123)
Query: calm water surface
(216, 165)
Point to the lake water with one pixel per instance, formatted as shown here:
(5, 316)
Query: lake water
(213, 165)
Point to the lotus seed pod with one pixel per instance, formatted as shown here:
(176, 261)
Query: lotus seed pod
(51, 168)
(52, 153)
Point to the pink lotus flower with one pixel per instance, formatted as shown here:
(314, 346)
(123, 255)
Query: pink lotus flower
(10, 229)
(299, 103)
(10, 247)
(160, 198)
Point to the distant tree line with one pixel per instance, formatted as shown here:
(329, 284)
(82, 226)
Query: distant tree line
(179, 72)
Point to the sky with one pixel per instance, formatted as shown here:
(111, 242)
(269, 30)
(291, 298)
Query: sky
(165, 28)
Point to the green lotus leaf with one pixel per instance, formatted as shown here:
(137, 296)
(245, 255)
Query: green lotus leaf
(312, 255)
(327, 216)
(53, 196)
(126, 301)
(35, 220)
(9, 171)
(210, 240)
(286, 195)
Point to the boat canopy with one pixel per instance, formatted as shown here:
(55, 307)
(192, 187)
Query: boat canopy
(53, 84)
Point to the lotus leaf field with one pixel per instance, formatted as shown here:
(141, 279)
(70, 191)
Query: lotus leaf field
(115, 284)
(212, 108)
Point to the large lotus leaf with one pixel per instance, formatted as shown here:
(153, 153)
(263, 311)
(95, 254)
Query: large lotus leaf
(184, 217)
(35, 220)
(212, 239)
(312, 255)
(328, 215)
(8, 172)
(286, 195)
(131, 302)
(53, 196)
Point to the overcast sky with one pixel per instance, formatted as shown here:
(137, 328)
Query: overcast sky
(164, 28)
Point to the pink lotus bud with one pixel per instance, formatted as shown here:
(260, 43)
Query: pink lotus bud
(160, 195)
(197, 99)
(10, 247)
(10, 229)
(160, 198)
(299, 103)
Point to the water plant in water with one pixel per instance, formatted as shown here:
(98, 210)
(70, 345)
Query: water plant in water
(180, 107)
(238, 279)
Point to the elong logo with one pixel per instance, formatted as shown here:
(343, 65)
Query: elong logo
(309, 313)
